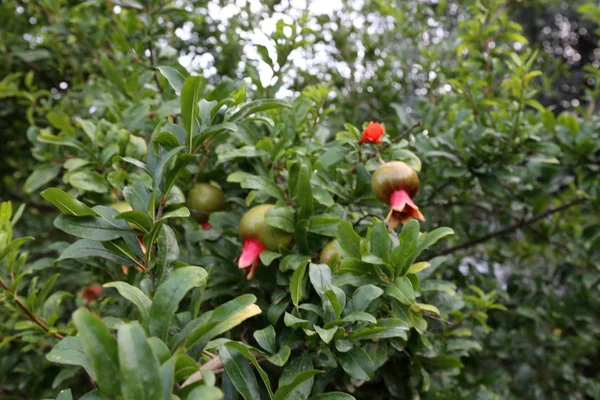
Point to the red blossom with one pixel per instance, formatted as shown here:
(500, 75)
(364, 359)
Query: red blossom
(206, 225)
(372, 133)
(91, 293)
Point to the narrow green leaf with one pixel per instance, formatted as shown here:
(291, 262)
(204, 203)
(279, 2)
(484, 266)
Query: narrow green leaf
(240, 373)
(169, 294)
(356, 363)
(246, 353)
(174, 77)
(401, 290)
(140, 373)
(297, 284)
(285, 392)
(90, 248)
(136, 296)
(266, 339)
(66, 203)
(348, 240)
(190, 96)
(101, 348)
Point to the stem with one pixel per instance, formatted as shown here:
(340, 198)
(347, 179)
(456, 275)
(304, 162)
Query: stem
(30, 313)
(508, 229)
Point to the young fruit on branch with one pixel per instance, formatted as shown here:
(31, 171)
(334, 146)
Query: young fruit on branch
(204, 199)
(331, 255)
(396, 183)
(258, 236)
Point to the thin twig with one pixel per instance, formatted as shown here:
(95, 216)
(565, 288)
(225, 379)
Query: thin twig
(507, 229)
(30, 313)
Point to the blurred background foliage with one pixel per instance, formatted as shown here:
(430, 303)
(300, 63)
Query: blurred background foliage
(510, 156)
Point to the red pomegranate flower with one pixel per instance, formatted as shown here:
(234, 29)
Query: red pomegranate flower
(372, 133)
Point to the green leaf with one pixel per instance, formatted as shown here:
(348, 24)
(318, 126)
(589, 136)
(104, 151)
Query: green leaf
(267, 257)
(204, 392)
(297, 284)
(166, 139)
(427, 240)
(167, 378)
(67, 204)
(240, 373)
(137, 196)
(364, 295)
(285, 392)
(281, 358)
(174, 77)
(70, 351)
(190, 96)
(65, 395)
(332, 296)
(91, 228)
(222, 319)
(401, 290)
(443, 362)
(295, 367)
(101, 348)
(140, 373)
(159, 348)
(404, 255)
(302, 193)
(169, 294)
(93, 395)
(266, 339)
(14, 245)
(40, 176)
(381, 242)
(356, 363)
(248, 181)
(136, 296)
(282, 218)
(258, 106)
(164, 159)
(90, 248)
(348, 240)
(243, 349)
(354, 267)
(320, 277)
(137, 219)
(89, 181)
(333, 396)
(326, 335)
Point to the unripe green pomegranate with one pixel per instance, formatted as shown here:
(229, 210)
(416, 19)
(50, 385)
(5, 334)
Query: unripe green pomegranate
(204, 199)
(258, 236)
(396, 183)
(331, 254)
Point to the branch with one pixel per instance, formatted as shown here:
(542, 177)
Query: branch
(508, 229)
(30, 313)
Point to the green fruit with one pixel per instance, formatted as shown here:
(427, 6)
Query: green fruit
(204, 199)
(393, 176)
(330, 253)
(254, 226)
(121, 206)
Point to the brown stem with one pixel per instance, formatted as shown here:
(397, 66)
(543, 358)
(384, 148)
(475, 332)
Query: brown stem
(30, 313)
(507, 229)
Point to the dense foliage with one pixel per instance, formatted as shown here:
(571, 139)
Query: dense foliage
(209, 202)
